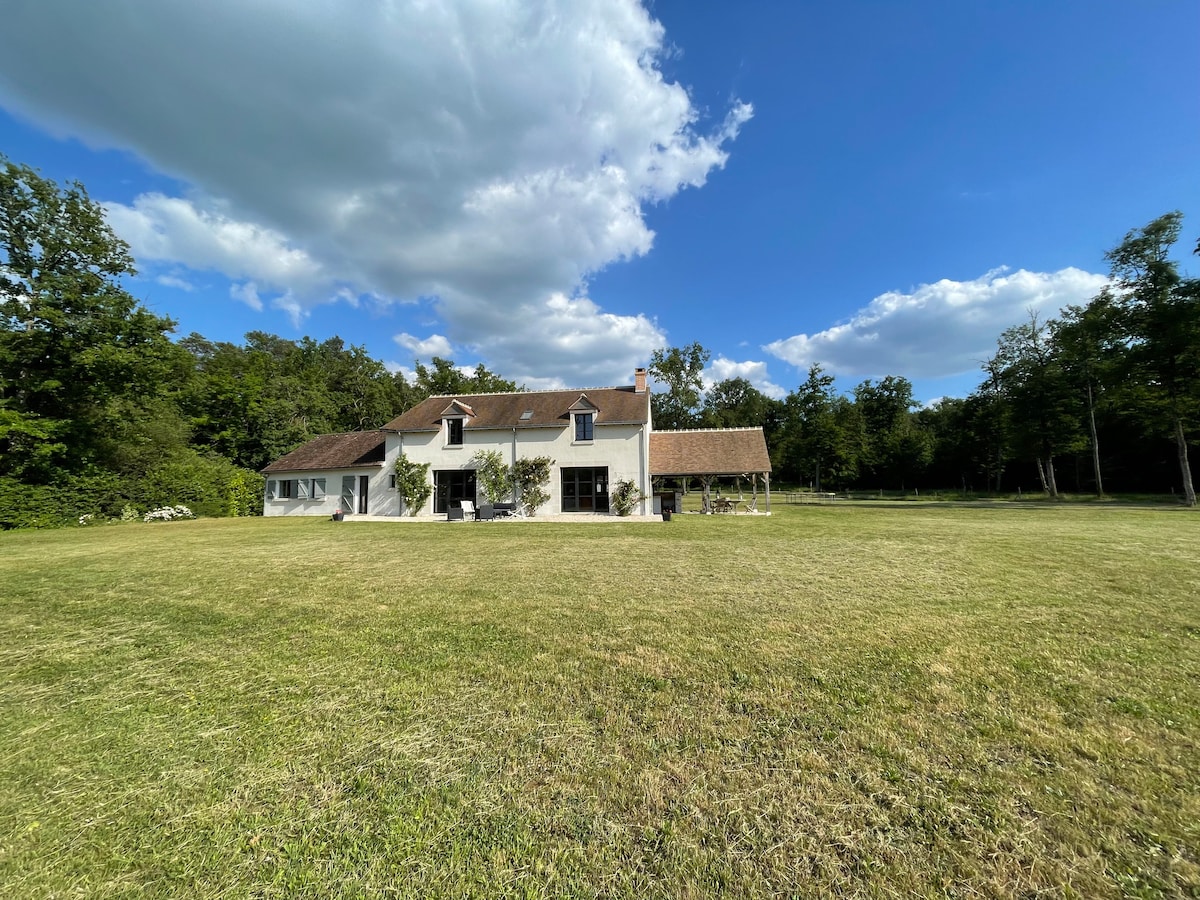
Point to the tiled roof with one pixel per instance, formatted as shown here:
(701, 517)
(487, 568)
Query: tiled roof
(354, 449)
(717, 451)
(614, 405)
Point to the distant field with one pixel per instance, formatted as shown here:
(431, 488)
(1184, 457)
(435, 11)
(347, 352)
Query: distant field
(832, 701)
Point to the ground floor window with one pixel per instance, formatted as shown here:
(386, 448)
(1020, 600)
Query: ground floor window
(585, 489)
(296, 489)
(451, 485)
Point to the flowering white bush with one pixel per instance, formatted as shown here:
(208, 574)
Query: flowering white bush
(86, 519)
(168, 513)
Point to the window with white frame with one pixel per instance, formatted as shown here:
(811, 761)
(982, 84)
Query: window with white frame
(296, 489)
(584, 426)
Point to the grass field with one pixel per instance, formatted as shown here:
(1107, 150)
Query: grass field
(832, 701)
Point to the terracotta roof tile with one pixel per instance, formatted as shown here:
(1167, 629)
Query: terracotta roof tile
(353, 449)
(614, 405)
(717, 451)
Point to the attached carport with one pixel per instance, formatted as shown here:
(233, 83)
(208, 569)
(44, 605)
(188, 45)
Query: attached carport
(707, 454)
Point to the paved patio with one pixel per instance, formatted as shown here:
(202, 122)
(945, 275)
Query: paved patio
(574, 518)
(546, 517)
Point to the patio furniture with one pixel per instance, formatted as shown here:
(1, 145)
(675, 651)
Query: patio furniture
(485, 513)
(454, 512)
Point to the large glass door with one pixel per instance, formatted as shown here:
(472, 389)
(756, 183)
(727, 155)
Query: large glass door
(585, 489)
(452, 485)
(347, 501)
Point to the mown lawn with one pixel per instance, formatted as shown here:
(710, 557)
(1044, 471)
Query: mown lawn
(833, 701)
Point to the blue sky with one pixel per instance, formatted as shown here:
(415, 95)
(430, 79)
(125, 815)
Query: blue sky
(556, 189)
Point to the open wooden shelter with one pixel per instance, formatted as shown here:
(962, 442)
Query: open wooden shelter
(707, 454)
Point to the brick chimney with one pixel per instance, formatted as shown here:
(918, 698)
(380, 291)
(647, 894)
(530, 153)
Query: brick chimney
(639, 381)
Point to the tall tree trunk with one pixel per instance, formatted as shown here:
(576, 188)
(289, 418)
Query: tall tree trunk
(1042, 476)
(1189, 492)
(1050, 479)
(1095, 442)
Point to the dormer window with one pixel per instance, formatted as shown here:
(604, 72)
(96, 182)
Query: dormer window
(584, 426)
(454, 416)
(583, 413)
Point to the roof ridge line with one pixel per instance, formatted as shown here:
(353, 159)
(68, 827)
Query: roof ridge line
(693, 430)
(566, 390)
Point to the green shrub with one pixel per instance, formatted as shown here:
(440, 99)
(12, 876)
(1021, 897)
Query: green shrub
(210, 485)
(64, 503)
(412, 484)
(531, 475)
(625, 497)
(244, 493)
(493, 476)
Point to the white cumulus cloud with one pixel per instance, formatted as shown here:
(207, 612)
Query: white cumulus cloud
(755, 372)
(174, 281)
(487, 154)
(561, 341)
(937, 330)
(247, 292)
(427, 348)
(175, 230)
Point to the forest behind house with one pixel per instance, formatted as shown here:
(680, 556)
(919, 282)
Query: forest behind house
(104, 414)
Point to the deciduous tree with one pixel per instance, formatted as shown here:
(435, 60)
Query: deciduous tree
(1159, 311)
(73, 341)
(897, 448)
(736, 403)
(1043, 418)
(679, 369)
(442, 376)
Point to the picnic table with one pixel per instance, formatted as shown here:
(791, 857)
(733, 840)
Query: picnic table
(724, 505)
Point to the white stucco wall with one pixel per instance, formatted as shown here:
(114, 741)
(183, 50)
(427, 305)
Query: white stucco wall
(624, 449)
(381, 499)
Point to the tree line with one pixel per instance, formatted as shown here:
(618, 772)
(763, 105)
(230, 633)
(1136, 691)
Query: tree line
(1104, 398)
(102, 412)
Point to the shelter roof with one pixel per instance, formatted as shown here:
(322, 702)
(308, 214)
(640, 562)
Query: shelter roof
(528, 409)
(352, 450)
(709, 451)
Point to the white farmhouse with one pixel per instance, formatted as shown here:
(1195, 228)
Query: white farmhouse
(596, 437)
(332, 473)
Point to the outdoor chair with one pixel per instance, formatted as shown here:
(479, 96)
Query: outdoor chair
(454, 512)
(468, 508)
(485, 513)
